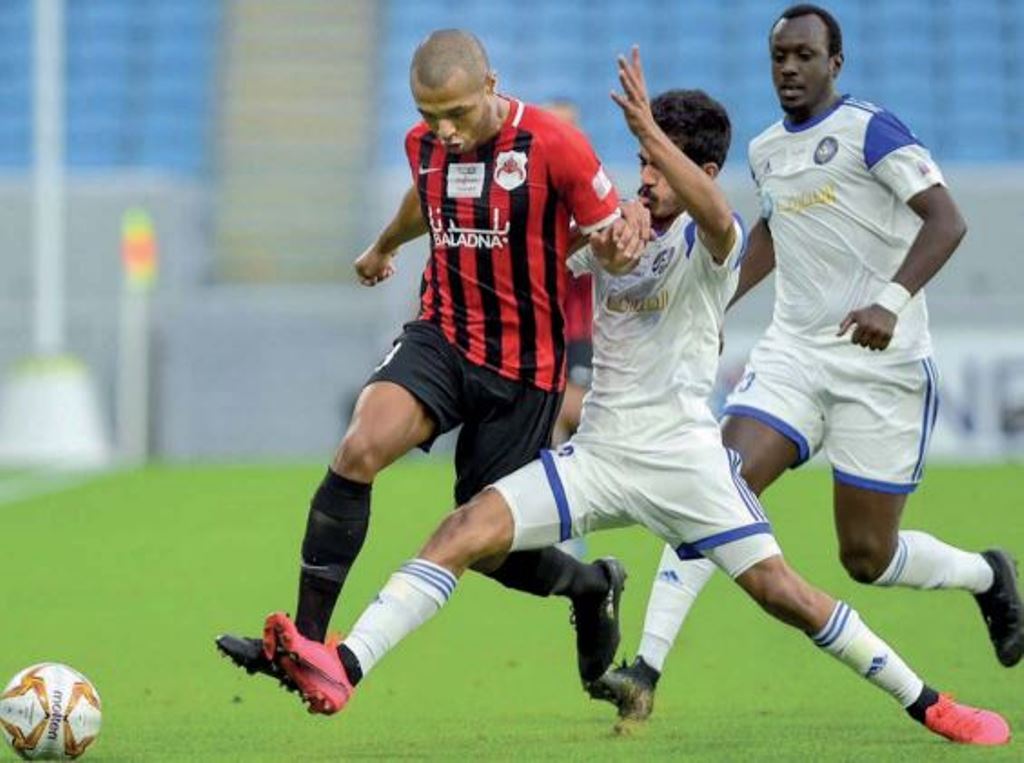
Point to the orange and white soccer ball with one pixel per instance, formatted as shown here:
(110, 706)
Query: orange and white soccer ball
(50, 712)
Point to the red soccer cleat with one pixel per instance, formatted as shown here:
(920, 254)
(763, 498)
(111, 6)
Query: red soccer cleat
(314, 667)
(965, 724)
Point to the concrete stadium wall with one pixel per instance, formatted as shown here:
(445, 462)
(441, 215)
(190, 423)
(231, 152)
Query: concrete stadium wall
(271, 372)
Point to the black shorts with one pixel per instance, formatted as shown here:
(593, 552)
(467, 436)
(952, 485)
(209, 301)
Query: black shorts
(579, 358)
(505, 423)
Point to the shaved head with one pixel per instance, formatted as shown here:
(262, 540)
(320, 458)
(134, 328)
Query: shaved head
(446, 52)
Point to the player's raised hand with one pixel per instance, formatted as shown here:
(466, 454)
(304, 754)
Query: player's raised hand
(873, 326)
(633, 100)
(374, 266)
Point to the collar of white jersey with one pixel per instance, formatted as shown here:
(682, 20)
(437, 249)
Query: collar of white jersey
(809, 123)
(681, 220)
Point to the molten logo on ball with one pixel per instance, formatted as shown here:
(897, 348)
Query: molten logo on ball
(49, 711)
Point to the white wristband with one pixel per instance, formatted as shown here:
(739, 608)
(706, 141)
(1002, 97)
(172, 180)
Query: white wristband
(894, 297)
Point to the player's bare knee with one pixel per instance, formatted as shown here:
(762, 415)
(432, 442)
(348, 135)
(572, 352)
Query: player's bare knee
(865, 563)
(473, 532)
(360, 457)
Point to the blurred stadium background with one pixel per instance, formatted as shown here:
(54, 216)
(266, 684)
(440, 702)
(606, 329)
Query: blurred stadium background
(264, 140)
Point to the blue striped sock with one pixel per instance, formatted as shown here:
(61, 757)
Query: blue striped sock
(849, 640)
(411, 597)
(923, 561)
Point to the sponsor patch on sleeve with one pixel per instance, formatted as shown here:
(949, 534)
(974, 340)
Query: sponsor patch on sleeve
(601, 184)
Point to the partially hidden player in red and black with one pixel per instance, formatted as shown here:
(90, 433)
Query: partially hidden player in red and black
(495, 185)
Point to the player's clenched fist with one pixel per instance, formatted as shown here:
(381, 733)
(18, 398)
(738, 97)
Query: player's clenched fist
(374, 266)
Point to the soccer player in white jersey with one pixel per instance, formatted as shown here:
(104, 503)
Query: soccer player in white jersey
(648, 450)
(857, 217)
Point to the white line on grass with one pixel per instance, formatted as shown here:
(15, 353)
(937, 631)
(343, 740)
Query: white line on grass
(25, 485)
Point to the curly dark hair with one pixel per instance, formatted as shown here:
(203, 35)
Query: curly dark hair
(835, 34)
(697, 123)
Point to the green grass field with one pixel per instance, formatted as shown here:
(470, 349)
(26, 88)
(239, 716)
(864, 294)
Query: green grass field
(129, 577)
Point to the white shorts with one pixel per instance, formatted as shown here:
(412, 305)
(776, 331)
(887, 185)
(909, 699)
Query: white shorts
(691, 496)
(873, 419)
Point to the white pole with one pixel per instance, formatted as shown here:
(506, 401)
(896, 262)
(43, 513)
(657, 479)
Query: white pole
(48, 206)
(133, 377)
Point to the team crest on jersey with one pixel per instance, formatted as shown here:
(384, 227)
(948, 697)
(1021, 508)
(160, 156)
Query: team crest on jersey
(510, 169)
(660, 262)
(826, 149)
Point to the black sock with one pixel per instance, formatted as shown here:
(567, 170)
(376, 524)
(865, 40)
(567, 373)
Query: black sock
(317, 597)
(550, 572)
(339, 516)
(925, 699)
(350, 662)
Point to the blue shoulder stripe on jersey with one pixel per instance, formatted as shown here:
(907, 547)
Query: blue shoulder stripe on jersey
(690, 236)
(743, 232)
(884, 135)
(808, 124)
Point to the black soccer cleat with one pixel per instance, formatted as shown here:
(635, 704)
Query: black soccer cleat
(1002, 608)
(247, 653)
(629, 687)
(597, 624)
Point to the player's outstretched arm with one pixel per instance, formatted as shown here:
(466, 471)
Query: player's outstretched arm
(376, 264)
(758, 262)
(700, 194)
(938, 238)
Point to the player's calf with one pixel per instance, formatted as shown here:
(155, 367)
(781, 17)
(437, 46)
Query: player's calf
(339, 517)
(785, 595)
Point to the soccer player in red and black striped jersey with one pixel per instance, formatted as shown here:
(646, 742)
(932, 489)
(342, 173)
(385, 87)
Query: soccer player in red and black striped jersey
(579, 348)
(495, 185)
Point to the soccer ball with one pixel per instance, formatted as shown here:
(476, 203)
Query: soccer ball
(50, 712)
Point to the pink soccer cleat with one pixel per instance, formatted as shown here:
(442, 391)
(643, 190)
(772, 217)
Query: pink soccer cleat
(314, 667)
(965, 724)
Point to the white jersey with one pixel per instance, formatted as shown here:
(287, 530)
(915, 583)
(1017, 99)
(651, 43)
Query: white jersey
(656, 333)
(833, 191)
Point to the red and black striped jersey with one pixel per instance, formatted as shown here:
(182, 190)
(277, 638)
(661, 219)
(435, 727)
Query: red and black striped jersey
(579, 308)
(499, 231)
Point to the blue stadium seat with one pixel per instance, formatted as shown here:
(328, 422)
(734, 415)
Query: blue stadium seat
(920, 58)
(981, 18)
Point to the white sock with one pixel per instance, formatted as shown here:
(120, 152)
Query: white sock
(849, 640)
(411, 597)
(923, 561)
(675, 588)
